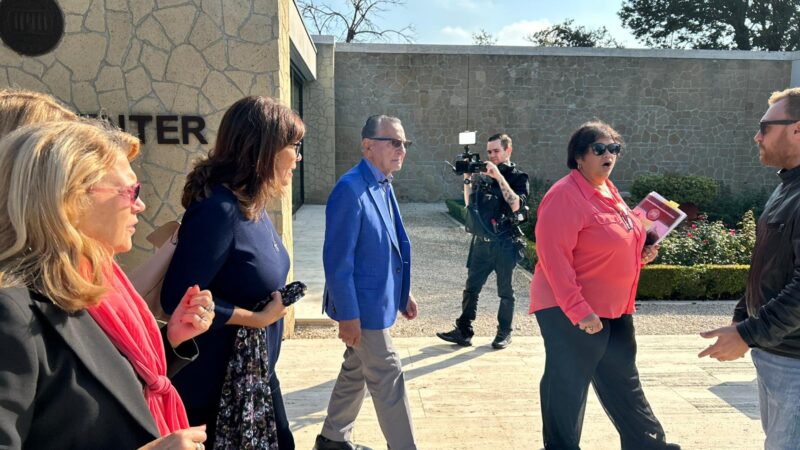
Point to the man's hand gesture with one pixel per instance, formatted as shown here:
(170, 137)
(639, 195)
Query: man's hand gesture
(729, 345)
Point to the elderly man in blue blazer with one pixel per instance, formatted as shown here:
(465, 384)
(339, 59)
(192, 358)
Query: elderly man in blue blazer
(367, 259)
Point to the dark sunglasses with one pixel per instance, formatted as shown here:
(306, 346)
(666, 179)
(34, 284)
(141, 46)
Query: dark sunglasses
(130, 192)
(396, 143)
(598, 148)
(764, 124)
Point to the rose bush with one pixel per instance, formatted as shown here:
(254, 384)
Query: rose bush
(704, 242)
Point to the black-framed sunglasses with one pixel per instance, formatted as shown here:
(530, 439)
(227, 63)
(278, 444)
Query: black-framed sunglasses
(396, 143)
(764, 124)
(598, 148)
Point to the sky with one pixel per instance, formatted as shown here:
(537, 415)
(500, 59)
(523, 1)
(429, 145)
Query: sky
(454, 21)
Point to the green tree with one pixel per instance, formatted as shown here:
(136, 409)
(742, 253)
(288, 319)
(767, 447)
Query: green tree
(354, 22)
(714, 24)
(566, 34)
(483, 37)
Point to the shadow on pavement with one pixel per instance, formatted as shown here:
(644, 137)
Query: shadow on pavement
(313, 413)
(742, 395)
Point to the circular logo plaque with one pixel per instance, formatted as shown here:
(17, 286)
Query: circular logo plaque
(31, 27)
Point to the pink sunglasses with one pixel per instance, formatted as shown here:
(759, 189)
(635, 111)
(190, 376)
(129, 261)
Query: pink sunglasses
(131, 192)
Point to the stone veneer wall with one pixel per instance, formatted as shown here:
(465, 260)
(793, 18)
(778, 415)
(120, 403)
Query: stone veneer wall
(692, 112)
(319, 144)
(182, 57)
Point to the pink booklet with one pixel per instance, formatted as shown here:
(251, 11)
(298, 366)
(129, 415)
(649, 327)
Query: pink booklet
(660, 216)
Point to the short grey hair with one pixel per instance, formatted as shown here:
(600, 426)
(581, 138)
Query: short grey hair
(374, 123)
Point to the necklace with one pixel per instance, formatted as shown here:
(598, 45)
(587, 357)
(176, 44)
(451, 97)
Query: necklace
(605, 192)
(274, 242)
(272, 235)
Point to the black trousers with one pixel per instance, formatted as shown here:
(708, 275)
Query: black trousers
(607, 360)
(208, 416)
(497, 256)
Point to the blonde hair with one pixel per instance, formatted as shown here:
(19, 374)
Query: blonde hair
(45, 172)
(20, 107)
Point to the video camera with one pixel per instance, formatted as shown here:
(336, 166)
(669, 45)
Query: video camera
(467, 162)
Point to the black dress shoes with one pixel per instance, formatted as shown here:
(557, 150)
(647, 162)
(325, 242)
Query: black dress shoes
(323, 443)
(501, 341)
(457, 337)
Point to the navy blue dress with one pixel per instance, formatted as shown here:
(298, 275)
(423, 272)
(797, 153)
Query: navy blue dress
(241, 262)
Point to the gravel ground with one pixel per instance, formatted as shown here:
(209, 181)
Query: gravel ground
(440, 248)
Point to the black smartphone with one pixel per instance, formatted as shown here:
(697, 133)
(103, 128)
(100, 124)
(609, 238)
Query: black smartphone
(292, 292)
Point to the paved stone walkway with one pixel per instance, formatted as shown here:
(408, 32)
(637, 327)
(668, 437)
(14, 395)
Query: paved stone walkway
(480, 398)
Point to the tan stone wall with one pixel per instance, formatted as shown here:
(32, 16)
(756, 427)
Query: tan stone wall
(182, 57)
(691, 112)
(319, 152)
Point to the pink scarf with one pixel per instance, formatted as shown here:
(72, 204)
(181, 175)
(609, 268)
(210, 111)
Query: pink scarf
(124, 317)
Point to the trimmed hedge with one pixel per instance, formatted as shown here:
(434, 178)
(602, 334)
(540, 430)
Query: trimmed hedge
(457, 209)
(679, 188)
(692, 282)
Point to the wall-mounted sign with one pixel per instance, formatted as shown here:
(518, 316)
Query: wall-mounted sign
(170, 129)
(31, 27)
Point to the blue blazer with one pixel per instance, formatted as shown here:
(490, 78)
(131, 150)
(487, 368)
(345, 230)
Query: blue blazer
(367, 269)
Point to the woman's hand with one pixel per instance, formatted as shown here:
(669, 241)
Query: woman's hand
(591, 324)
(189, 439)
(192, 317)
(273, 312)
(649, 253)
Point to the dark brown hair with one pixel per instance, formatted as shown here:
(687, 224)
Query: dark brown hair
(251, 133)
(586, 135)
(505, 140)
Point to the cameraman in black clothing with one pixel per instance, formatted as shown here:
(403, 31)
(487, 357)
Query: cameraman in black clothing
(491, 199)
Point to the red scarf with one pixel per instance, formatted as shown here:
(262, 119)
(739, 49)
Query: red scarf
(124, 317)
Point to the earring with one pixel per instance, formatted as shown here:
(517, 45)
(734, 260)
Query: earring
(580, 166)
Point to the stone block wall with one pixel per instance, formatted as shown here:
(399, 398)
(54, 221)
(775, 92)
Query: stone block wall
(319, 144)
(686, 112)
(153, 57)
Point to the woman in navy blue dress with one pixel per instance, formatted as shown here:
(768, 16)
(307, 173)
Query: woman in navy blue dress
(227, 244)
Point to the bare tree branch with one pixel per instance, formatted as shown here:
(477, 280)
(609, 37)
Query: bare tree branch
(355, 21)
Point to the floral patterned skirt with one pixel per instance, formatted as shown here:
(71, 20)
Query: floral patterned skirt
(246, 418)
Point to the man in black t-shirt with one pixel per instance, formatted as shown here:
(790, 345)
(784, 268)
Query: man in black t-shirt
(491, 200)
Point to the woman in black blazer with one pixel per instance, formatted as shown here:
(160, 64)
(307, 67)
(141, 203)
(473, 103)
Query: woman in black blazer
(66, 377)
